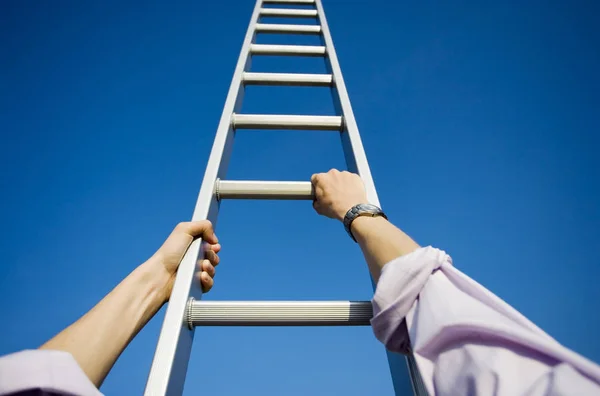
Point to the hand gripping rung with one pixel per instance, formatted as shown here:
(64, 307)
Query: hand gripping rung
(279, 313)
(294, 2)
(287, 13)
(291, 122)
(290, 29)
(287, 50)
(295, 79)
(284, 190)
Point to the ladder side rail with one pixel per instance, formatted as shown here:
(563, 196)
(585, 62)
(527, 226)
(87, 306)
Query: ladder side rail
(171, 358)
(356, 161)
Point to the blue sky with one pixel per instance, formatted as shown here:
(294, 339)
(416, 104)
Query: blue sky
(480, 121)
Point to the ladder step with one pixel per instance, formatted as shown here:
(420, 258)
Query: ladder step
(292, 50)
(279, 313)
(295, 2)
(284, 12)
(291, 122)
(296, 79)
(293, 29)
(233, 189)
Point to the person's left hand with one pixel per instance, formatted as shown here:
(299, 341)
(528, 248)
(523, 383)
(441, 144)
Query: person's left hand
(170, 254)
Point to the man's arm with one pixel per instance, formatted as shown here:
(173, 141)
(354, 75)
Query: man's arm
(465, 340)
(380, 241)
(98, 338)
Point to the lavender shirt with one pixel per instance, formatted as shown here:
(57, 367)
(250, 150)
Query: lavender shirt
(466, 341)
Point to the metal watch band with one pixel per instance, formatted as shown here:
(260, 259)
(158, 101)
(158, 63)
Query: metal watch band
(361, 210)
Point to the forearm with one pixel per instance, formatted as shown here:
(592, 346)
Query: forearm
(380, 242)
(98, 338)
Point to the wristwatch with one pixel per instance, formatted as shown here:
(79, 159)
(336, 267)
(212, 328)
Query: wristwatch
(361, 210)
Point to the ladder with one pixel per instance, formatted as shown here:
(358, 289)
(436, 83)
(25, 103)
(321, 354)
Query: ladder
(185, 309)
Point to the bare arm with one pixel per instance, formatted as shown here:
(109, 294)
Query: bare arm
(380, 241)
(98, 338)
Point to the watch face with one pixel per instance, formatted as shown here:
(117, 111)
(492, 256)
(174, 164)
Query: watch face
(368, 207)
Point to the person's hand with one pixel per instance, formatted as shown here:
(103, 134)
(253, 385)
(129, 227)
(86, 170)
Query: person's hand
(336, 192)
(166, 259)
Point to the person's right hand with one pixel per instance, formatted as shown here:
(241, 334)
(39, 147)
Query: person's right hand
(337, 192)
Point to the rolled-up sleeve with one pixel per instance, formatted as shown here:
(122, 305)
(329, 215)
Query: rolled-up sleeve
(43, 372)
(466, 340)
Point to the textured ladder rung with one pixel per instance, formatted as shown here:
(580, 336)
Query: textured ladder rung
(295, 79)
(290, 29)
(287, 13)
(294, 2)
(291, 122)
(279, 313)
(234, 189)
(287, 50)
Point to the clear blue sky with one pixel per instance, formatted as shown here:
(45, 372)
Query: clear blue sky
(480, 121)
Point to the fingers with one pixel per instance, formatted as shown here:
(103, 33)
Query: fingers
(205, 280)
(314, 178)
(211, 256)
(216, 248)
(206, 275)
(199, 229)
(206, 267)
(319, 178)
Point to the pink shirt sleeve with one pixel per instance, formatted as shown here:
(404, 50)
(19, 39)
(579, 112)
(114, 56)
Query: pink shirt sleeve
(467, 341)
(43, 372)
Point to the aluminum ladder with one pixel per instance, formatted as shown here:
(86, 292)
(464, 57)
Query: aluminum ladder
(185, 310)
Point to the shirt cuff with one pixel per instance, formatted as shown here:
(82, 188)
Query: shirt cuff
(400, 283)
(44, 370)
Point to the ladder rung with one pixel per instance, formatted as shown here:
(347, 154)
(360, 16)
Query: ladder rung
(279, 313)
(295, 2)
(294, 122)
(310, 80)
(293, 50)
(281, 28)
(284, 12)
(233, 189)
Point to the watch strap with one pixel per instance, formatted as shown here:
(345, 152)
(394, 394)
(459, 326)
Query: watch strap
(361, 210)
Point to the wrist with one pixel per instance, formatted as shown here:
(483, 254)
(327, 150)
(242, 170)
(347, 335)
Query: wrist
(362, 224)
(341, 214)
(359, 211)
(155, 281)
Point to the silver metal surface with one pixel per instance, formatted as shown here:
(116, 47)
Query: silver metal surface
(287, 50)
(283, 28)
(356, 161)
(234, 189)
(288, 13)
(301, 122)
(295, 2)
(280, 313)
(309, 80)
(170, 362)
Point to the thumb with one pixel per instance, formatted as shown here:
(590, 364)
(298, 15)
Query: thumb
(201, 229)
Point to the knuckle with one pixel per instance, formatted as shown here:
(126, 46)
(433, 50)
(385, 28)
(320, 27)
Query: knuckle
(205, 223)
